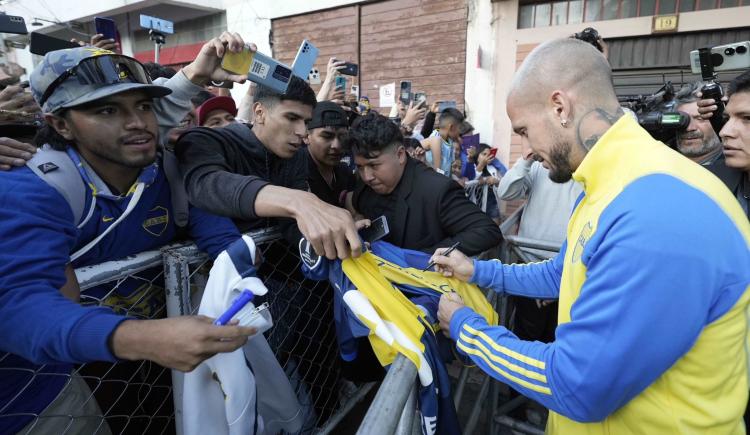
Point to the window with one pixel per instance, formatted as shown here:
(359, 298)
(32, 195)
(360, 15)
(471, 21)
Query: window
(561, 12)
(542, 15)
(609, 12)
(648, 7)
(687, 5)
(593, 10)
(526, 16)
(575, 12)
(629, 9)
(667, 7)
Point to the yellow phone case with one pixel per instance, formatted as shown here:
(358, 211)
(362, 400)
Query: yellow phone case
(237, 63)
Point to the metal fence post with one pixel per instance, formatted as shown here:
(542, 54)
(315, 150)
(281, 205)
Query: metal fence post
(177, 287)
(383, 415)
(408, 415)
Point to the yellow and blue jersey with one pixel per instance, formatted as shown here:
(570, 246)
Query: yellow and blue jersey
(386, 296)
(653, 287)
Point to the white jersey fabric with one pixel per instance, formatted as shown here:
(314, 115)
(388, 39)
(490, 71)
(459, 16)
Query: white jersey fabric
(245, 391)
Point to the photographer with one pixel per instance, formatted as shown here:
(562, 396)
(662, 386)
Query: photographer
(699, 142)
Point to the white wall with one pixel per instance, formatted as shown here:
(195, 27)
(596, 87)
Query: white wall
(505, 22)
(479, 85)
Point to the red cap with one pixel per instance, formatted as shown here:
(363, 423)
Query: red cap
(215, 103)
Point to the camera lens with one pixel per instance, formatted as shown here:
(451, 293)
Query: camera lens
(729, 51)
(741, 49)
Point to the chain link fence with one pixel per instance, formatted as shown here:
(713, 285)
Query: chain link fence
(139, 397)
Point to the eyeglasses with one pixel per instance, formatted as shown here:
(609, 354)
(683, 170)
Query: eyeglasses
(101, 70)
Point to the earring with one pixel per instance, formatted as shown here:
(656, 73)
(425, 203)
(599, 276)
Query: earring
(564, 122)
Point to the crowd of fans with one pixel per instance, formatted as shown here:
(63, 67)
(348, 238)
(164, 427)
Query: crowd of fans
(94, 169)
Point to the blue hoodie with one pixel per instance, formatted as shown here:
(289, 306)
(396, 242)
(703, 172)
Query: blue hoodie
(38, 325)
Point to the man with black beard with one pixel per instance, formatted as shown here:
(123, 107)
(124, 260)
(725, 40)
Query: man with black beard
(654, 242)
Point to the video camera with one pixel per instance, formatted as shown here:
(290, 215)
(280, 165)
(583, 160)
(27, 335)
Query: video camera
(657, 112)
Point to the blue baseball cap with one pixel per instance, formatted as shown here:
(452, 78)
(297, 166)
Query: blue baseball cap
(74, 76)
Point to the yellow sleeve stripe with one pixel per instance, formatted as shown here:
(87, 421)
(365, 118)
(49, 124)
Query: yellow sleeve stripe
(518, 369)
(503, 373)
(504, 350)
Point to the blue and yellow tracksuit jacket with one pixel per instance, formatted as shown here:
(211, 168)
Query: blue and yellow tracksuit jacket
(653, 287)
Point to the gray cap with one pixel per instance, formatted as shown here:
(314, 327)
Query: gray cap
(71, 92)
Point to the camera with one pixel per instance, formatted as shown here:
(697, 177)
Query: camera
(589, 35)
(656, 114)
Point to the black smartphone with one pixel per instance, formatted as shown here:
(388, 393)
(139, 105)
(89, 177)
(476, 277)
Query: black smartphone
(42, 44)
(420, 98)
(106, 27)
(376, 231)
(405, 94)
(227, 84)
(350, 69)
(12, 24)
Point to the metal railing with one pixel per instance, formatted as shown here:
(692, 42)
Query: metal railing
(394, 409)
(135, 397)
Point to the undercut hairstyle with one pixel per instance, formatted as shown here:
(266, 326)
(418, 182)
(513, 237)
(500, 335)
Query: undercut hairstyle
(298, 90)
(200, 98)
(741, 83)
(156, 70)
(372, 134)
(481, 147)
(452, 115)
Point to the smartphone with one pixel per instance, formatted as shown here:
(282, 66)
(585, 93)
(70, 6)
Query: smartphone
(106, 27)
(12, 24)
(314, 77)
(261, 69)
(493, 153)
(445, 105)
(227, 84)
(376, 231)
(355, 91)
(735, 56)
(420, 98)
(305, 60)
(41, 44)
(350, 69)
(340, 82)
(405, 94)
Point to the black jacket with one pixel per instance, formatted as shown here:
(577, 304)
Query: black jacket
(736, 180)
(427, 211)
(225, 168)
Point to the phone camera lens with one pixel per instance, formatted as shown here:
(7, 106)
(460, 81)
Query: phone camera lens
(741, 49)
(729, 51)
